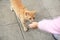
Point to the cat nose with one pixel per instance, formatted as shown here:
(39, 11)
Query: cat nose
(32, 20)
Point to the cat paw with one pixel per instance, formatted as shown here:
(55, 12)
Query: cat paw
(11, 9)
(25, 29)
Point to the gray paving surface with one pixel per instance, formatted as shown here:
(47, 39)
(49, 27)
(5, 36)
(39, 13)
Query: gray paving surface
(10, 26)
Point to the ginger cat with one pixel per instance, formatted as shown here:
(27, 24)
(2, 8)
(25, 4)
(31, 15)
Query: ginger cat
(22, 13)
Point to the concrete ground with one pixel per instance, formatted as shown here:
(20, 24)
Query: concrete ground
(10, 26)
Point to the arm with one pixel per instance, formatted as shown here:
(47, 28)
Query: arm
(51, 25)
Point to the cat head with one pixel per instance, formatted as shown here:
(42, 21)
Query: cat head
(30, 15)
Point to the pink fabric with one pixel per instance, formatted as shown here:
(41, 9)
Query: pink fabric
(50, 25)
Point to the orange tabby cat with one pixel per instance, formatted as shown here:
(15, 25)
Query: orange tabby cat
(22, 13)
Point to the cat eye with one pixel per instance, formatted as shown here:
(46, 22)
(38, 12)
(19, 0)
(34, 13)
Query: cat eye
(33, 17)
(29, 18)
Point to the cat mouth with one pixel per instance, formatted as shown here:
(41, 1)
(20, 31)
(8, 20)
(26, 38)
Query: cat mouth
(31, 20)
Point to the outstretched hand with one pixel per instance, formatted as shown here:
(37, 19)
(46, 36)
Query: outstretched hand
(33, 25)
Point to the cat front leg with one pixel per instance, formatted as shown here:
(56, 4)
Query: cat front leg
(25, 28)
(24, 25)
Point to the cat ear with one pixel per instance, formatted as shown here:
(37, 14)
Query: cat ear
(26, 13)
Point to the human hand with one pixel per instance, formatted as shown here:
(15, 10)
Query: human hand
(33, 25)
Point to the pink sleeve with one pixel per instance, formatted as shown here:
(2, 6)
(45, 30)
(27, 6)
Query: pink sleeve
(45, 25)
(51, 25)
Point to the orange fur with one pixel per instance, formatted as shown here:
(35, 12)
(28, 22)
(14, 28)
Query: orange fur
(21, 12)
